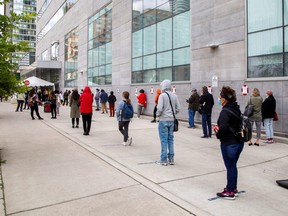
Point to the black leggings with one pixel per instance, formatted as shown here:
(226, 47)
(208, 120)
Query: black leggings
(53, 110)
(35, 107)
(86, 123)
(123, 128)
(73, 121)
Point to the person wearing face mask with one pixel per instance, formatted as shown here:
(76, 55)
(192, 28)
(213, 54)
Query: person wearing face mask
(268, 111)
(231, 147)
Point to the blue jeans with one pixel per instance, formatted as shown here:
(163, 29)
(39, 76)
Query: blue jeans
(230, 154)
(191, 113)
(206, 125)
(166, 135)
(268, 124)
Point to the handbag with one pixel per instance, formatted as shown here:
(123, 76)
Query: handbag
(249, 109)
(176, 123)
(275, 117)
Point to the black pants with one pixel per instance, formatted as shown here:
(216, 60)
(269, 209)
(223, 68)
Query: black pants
(20, 105)
(154, 112)
(35, 107)
(73, 121)
(87, 118)
(53, 110)
(123, 128)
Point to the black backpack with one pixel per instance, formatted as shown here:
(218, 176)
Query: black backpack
(127, 111)
(245, 132)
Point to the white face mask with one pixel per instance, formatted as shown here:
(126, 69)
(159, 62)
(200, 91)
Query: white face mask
(267, 95)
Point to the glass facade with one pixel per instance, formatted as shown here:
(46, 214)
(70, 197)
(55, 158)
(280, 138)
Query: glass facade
(160, 40)
(71, 58)
(100, 47)
(267, 38)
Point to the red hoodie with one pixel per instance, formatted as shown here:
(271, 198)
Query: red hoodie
(86, 101)
(142, 99)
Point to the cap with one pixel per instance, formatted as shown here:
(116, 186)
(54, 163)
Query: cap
(269, 92)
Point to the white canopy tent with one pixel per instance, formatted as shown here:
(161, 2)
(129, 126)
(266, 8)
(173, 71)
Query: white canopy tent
(37, 82)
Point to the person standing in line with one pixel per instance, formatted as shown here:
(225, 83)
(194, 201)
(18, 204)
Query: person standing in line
(26, 100)
(165, 111)
(231, 146)
(74, 108)
(206, 102)
(97, 98)
(111, 101)
(65, 97)
(33, 101)
(58, 102)
(86, 102)
(193, 106)
(53, 104)
(142, 102)
(268, 111)
(123, 123)
(61, 97)
(256, 117)
(158, 92)
(20, 102)
(103, 100)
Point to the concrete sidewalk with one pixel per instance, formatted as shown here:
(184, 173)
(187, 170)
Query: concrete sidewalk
(52, 169)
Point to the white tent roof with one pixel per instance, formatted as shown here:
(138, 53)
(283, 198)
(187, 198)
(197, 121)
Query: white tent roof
(36, 82)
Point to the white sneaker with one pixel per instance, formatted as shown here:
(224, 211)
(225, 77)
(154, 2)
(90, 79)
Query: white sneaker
(124, 143)
(130, 141)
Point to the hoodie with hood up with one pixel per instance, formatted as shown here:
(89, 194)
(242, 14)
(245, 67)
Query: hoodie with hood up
(86, 101)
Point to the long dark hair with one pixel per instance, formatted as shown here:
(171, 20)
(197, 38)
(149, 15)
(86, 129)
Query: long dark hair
(126, 96)
(75, 94)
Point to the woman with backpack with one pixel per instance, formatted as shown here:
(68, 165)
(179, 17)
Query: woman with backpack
(229, 121)
(124, 116)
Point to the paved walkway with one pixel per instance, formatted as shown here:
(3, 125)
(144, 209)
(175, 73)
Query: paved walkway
(52, 169)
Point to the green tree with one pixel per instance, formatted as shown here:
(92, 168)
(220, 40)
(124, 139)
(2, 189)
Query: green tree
(8, 81)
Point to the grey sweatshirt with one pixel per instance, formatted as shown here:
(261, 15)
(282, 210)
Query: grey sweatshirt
(164, 110)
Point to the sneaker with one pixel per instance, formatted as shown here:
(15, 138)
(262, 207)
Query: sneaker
(163, 163)
(153, 121)
(171, 161)
(236, 193)
(129, 141)
(226, 194)
(124, 143)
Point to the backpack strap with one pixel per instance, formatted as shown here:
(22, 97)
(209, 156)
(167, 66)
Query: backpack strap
(234, 114)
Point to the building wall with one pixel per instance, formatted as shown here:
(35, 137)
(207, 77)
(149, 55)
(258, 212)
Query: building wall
(218, 22)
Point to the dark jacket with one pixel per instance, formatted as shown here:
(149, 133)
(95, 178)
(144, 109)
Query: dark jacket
(111, 99)
(103, 97)
(268, 107)
(207, 103)
(86, 101)
(226, 120)
(194, 101)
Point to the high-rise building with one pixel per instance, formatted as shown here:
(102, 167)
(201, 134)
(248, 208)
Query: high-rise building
(133, 44)
(26, 31)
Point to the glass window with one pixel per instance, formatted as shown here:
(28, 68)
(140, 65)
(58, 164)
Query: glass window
(137, 7)
(102, 55)
(285, 12)
(90, 58)
(181, 30)
(149, 40)
(181, 73)
(181, 56)
(137, 77)
(265, 42)
(164, 73)
(286, 65)
(180, 6)
(164, 12)
(102, 70)
(138, 23)
(108, 69)
(148, 5)
(265, 66)
(149, 62)
(164, 59)
(149, 76)
(149, 17)
(160, 2)
(264, 14)
(286, 39)
(137, 44)
(137, 64)
(164, 35)
(108, 53)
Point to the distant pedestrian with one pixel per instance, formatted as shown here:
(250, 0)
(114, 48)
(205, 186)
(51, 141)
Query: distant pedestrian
(158, 92)
(103, 101)
(74, 108)
(58, 101)
(206, 103)
(33, 102)
(142, 102)
(20, 102)
(167, 104)
(86, 101)
(231, 146)
(111, 100)
(65, 96)
(268, 112)
(123, 123)
(256, 100)
(26, 100)
(53, 104)
(97, 99)
(193, 107)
